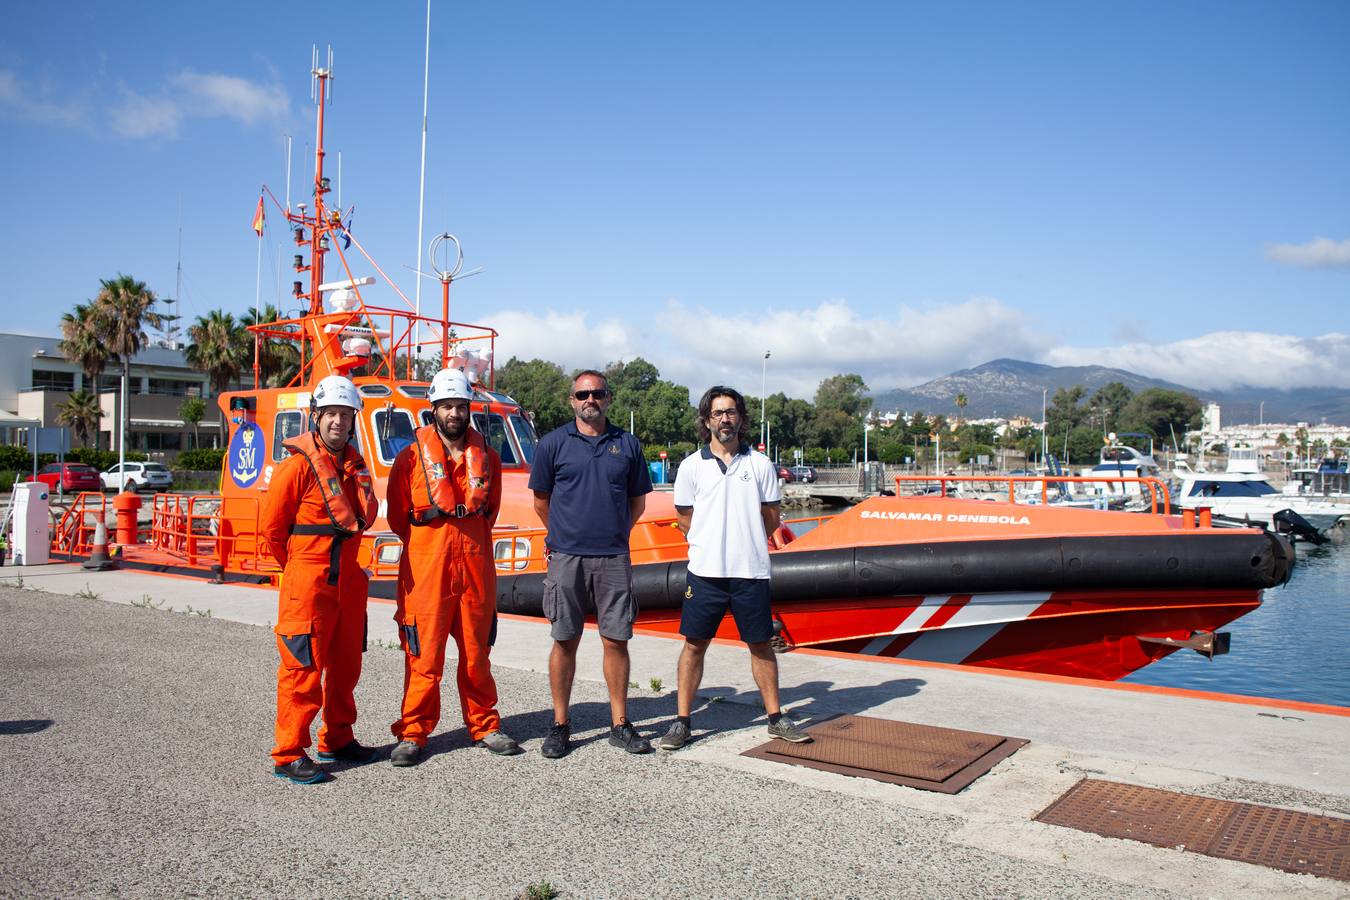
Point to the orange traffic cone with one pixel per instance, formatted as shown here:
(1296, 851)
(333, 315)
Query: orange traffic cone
(98, 561)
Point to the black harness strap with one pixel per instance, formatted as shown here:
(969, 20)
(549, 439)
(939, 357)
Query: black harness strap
(334, 552)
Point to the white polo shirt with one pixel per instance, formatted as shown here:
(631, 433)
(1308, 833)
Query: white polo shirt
(726, 536)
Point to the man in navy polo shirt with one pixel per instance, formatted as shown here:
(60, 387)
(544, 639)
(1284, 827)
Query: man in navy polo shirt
(590, 485)
(726, 498)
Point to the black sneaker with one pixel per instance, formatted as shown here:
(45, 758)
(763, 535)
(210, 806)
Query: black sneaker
(300, 771)
(353, 752)
(407, 753)
(557, 742)
(625, 737)
(786, 730)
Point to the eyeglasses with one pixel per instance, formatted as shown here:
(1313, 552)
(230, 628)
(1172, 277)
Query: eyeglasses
(600, 394)
(724, 414)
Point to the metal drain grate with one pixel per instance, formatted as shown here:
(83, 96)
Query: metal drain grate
(1298, 842)
(922, 756)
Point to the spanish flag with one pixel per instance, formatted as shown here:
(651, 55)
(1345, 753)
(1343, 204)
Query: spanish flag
(259, 218)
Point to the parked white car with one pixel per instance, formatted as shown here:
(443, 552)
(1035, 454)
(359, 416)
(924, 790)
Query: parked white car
(137, 475)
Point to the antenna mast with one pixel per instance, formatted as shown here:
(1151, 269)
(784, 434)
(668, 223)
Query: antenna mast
(422, 186)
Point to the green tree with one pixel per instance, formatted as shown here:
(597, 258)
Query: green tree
(81, 412)
(192, 410)
(540, 387)
(661, 410)
(1159, 411)
(841, 402)
(961, 401)
(219, 348)
(84, 342)
(1108, 403)
(126, 307)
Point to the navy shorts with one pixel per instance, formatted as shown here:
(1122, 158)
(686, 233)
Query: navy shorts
(707, 600)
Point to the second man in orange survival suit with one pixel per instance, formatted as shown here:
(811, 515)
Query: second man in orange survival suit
(444, 493)
(318, 502)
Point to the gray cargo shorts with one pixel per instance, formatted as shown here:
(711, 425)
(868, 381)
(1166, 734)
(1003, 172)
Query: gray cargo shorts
(577, 585)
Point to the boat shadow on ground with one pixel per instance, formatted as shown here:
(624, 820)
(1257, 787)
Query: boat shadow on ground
(719, 709)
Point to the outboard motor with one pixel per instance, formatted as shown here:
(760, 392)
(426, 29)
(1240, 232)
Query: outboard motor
(1291, 523)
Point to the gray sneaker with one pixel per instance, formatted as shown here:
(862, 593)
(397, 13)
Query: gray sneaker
(500, 743)
(407, 753)
(676, 737)
(785, 729)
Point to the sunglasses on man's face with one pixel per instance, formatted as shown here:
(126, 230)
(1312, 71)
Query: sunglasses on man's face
(600, 394)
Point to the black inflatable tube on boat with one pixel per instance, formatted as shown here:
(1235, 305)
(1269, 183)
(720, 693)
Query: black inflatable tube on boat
(1250, 560)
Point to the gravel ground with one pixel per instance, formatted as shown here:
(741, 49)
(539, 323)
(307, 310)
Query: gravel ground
(133, 762)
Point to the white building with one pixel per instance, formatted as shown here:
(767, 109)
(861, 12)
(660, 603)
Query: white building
(35, 378)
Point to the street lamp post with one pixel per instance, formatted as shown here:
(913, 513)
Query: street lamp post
(763, 382)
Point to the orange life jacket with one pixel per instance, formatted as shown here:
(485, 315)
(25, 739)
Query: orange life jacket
(434, 492)
(346, 521)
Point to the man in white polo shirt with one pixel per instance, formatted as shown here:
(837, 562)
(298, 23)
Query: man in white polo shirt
(726, 497)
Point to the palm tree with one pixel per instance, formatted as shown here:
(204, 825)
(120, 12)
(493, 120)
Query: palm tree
(83, 334)
(126, 306)
(961, 401)
(81, 412)
(219, 349)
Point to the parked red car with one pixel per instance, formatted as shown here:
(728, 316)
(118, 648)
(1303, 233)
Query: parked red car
(70, 477)
(785, 474)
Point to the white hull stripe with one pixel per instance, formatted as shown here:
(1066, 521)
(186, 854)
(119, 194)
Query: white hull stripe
(968, 629)
(933, 604)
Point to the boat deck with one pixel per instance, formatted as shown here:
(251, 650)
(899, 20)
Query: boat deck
(143, 769)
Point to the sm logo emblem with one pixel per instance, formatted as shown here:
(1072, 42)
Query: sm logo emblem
(243, 455)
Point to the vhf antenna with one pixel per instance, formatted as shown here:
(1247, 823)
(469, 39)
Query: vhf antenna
(314, 72)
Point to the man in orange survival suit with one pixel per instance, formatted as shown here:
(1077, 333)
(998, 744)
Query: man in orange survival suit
(444, 493)
(318, 502)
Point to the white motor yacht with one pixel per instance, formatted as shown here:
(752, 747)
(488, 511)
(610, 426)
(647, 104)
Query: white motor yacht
(1247, 497)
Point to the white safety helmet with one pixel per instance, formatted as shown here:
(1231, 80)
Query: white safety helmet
(449, 384)
(335, 390)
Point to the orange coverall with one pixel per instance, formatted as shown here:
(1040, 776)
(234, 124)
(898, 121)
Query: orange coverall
(447, 586)
(325, 621)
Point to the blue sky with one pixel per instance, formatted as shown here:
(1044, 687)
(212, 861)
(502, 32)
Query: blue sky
(893, 189)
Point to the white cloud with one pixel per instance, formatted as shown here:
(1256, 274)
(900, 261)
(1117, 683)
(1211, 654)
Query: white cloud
(697, 347)
(34, 104)
(140, 117)
(198, 94)
(1319, 253)
(232, 97)
(1227, 359)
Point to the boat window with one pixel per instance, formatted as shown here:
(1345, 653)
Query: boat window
(426, 417)
(493, 427)
(1232, 489)
(374, 390)
(416, 391)
(524, 436)
(393, 431)
(288, 424)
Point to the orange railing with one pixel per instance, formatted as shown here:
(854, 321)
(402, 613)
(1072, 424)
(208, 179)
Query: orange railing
(74, 533)
(1156, 489)
(208, 529)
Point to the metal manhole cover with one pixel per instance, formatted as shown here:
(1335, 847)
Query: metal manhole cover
(1279, 838)
(924, 756)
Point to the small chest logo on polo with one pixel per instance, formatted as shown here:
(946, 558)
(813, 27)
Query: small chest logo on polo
(689, 593)
(614, 449)
(745, 476)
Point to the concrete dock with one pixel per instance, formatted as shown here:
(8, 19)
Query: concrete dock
(136, 715)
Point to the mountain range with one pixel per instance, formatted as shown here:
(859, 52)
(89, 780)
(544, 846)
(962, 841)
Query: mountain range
(1011, 387)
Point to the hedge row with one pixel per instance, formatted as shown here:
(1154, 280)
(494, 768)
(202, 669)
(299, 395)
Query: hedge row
(19, 459)
(205, 459)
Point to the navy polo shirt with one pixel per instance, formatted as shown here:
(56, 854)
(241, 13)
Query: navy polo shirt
(589, 480)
